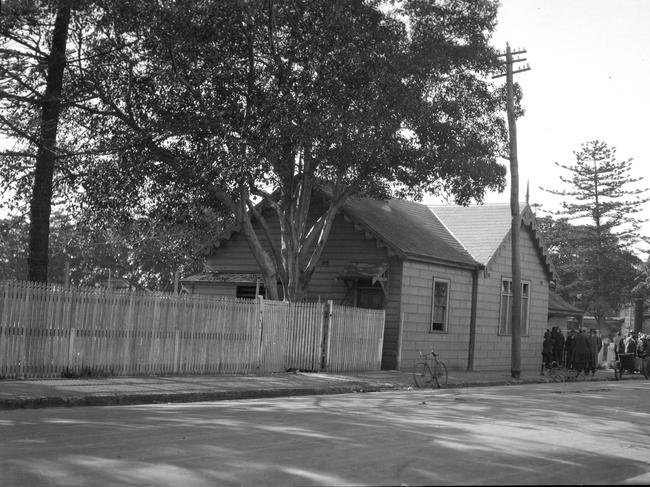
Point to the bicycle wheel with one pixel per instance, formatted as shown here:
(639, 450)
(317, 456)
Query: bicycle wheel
(559, 374)
(571, 374)
(440, 373)
(422, 375)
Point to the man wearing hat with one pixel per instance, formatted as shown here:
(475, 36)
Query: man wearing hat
(582, 352)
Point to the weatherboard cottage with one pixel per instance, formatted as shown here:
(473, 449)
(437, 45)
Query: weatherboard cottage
(442, 274)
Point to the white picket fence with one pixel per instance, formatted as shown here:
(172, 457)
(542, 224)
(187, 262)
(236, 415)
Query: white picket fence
(52, 331)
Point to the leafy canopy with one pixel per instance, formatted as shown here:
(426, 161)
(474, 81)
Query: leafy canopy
(238, 92)
(233, 102)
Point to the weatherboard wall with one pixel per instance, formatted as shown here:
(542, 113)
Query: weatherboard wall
(347, 243)
(416, 308)
(493, 351)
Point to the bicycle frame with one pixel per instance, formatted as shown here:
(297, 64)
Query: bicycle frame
(430, 372)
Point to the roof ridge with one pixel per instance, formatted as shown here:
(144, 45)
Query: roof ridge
(477, 205)
(452, 233)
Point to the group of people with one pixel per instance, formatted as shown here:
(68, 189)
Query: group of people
(634, 342)
(578, 351)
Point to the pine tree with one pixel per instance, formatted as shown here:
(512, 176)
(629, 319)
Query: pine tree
(604, 208)
(600, 195)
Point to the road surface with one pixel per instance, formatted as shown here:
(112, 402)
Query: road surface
(574, 433)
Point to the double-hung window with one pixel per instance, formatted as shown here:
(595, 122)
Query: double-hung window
(440, 305)
(505, 315)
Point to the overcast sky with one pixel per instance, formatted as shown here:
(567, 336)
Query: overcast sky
(589, 80)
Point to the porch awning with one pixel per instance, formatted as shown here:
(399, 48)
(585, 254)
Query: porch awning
(354, 271)
(359, 270)
(235, 277)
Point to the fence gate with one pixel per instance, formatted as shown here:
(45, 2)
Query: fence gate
(304, 336)
(273, 334)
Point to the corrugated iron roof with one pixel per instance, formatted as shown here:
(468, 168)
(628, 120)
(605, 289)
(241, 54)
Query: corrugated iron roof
(467, 236)
(409, 228)
(483, 229)
(480, 228)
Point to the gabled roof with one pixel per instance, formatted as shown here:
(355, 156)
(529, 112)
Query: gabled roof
(462, 236)
(484, 229)
(410, 229)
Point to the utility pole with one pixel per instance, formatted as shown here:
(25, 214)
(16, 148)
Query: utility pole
(515, 358)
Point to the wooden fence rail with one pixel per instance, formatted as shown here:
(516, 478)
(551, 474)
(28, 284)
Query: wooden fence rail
(52, 331)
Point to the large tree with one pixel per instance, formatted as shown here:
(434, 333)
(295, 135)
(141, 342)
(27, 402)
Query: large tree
(578, 266)
(49, 145)
(33, 45)
(596, 254)
(249, 105)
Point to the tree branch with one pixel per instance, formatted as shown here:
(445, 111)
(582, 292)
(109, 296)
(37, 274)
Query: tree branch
(10, 96)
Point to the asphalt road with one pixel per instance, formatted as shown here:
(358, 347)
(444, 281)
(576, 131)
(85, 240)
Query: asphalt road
(573, 433)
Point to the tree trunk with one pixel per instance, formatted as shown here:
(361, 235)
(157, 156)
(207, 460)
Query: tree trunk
(262, 257)
(306, 248)
(41, 202)
(638, 314)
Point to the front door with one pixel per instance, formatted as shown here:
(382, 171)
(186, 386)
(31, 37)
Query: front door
(371, 297)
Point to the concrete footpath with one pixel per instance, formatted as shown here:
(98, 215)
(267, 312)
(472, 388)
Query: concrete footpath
(111, 391)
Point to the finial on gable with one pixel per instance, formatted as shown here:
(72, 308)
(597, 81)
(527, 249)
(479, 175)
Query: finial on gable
(528, 191)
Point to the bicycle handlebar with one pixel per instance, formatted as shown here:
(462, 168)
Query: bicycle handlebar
(432, 353)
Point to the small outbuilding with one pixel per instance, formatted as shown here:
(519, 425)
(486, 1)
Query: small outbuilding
(563, 314)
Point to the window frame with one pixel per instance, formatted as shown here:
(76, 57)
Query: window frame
(505, 329)
(247, 291)
(445, 324)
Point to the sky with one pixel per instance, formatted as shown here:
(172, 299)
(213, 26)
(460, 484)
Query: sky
(589, 78)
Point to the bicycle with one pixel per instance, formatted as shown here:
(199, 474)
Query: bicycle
(432, 372)
(559, 373)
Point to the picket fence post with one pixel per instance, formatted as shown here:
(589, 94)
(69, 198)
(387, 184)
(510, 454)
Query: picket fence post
(73, 333)
(4, 328)
(177, 345)
(327, 334)
(400, 328)
(260, 323)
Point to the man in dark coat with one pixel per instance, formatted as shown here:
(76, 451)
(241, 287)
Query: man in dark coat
(569, 347)
(547, 352)
(643, 351)
(582, 352)
(619, 344)
(558, 345)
